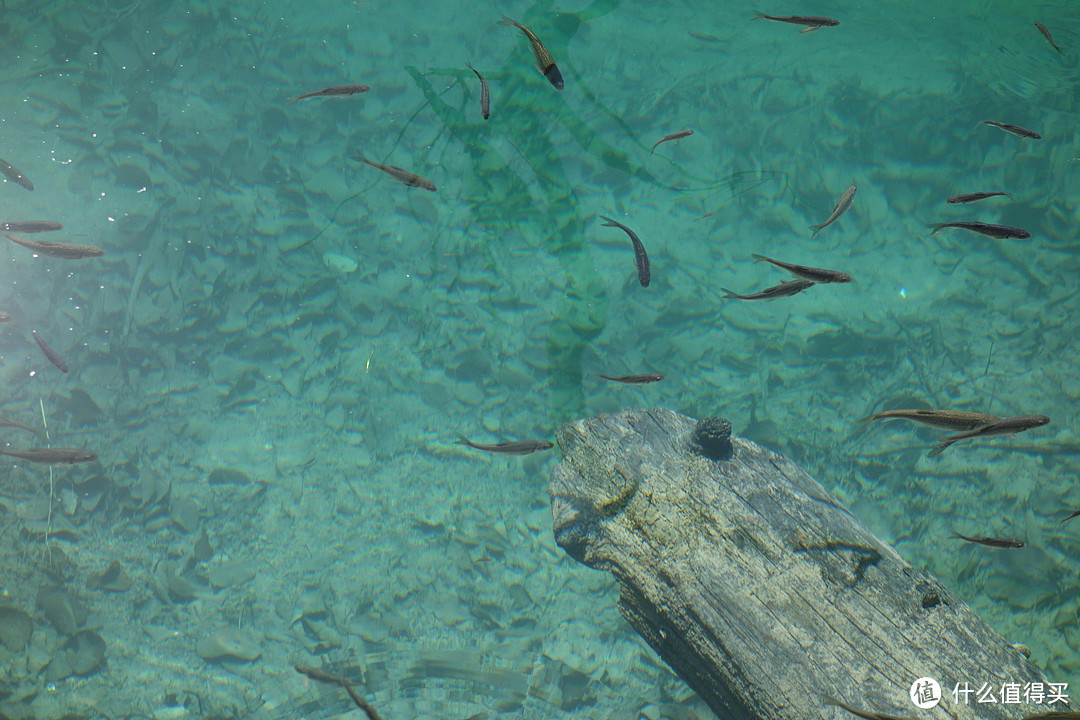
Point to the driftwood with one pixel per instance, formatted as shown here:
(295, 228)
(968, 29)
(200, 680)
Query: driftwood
(758, 588)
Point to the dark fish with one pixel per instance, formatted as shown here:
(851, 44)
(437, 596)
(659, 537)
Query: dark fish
(67, 251)
(4, 422)
(640, 258)
(1070, 516)
(52, 456)
(865, 714)
(1001, 232)
(990, 541)
(975, 197)
(842, 206)
(810, 21)
(543, 58)
(1014, 129)
(635, 379)
(704, 37)
(485, 98)
(673, 136)
(815, 275)
(31, 226)
(1047, 35)
(6, 317)
(335, 91)
(14, 175)
(944, 419)
(516, 447)
(784, 289)
(1005, 426)
(50, 353)
(402, 176)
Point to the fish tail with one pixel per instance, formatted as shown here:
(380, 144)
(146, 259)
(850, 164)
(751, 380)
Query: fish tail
(507, 21)
(939, 448)
(461, 439)
(758, 15)
(359, 157)
(730, 294)
(609, 222)
(936, 226)
(759, 258)
(815, 229)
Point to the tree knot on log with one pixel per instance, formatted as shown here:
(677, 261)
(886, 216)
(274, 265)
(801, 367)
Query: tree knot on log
(712, 438)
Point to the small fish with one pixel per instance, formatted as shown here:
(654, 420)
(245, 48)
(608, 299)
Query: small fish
(6, 317)
(1047, 35)
(865, 714)
(644, 274)
(1005, 426)
(815, 275)
(784, 289)
(842, 206)
(52, 456)
(485, 98)
(944, 419)
(990, 541)
(1000, 232)
(335, 91)
(704, 37)
(31, 226)
(67, 251)
(1014, 129)
(402, 176)
(544, 60)
(811, 22)
(4, 422)
(975, 197)
(673, 136)
(50, 353)
(1070, 516)
(515, 447)
(634, 379)
(14, 175)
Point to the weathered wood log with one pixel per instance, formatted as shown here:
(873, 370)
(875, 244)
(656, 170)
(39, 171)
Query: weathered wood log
(757, 587)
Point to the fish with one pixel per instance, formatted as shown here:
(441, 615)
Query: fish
(1005, 426)
(67, 251)
(673, 136)
(50, 353)
(634, 379)
(335, 91)
(544, 60)
(1070, 516)
(705, 37)
(815, 275)
(944, 419)
(990, 541)
(31, 226)
(52, 456)
(644, 273)
(6, 317)
(975, 197)
(865, 714)
(811, 22)
(402, 176)
(842, 206)
(14, 175)
(1013, 129)
(784, 289)
(1000, 232)
(1046, 34)
(4, 422)
(514, 447)
(485, 98)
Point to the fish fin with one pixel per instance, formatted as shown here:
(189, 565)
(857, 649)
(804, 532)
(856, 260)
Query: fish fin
(815, 230)
(759, 258)
(507, 21)
(1008, 196)
(461, 439)
(730, 294)
(809, 29)
(938, 449)
(610, 222)
(757, 15)
(936, 226)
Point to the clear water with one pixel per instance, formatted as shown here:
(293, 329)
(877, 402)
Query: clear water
(270, 306)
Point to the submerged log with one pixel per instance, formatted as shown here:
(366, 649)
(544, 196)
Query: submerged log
(757, 587)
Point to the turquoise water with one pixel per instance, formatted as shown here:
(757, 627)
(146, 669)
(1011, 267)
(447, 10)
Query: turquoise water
(269, 306)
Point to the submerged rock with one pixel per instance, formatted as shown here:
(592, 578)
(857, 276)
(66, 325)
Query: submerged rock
(229, 644)
(15, 628)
